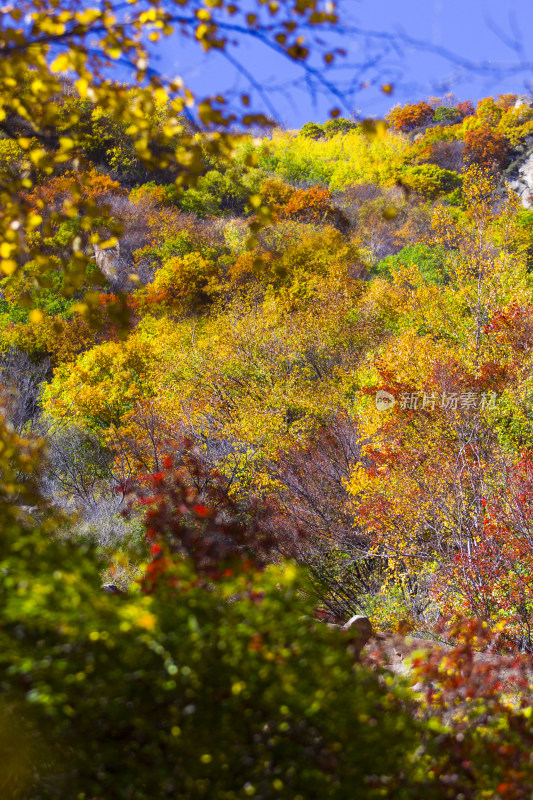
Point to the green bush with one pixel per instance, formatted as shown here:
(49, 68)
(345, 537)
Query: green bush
(186, 693)
(214, 193)
(430, 180)
(341, 125)
(312, 130)
(429, 260)
(445, 114)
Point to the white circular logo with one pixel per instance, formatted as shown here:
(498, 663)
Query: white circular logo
(384, 400)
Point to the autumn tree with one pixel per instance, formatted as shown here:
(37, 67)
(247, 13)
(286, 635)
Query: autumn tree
(406, 118)
(41, 44)
(433, 459)
(487, 147)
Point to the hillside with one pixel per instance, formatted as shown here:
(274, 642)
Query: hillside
(389, 259)
(313, 350)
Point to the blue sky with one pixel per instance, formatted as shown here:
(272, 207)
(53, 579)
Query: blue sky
(425, 48)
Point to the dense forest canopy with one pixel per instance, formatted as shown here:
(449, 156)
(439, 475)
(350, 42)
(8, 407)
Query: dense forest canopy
(254, 380)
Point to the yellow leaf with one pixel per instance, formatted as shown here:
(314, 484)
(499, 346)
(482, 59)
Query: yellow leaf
(61, 63)
(82, 84)
(112, 242)
(36, 316)
(8, 266)
(160, 96)
(66, 143)
(34, 220)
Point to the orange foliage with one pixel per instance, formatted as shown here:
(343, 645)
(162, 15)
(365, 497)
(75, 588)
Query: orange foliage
(486, 147)
(507, 101)
(466, 108)
(90, 185)
(249, 265)
(313, 205)
(405, 118)
(309, 205)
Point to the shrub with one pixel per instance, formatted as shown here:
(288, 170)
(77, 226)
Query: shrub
(214, 193)
(430, 180)
(486, 147)
(429, 260)
(406, 118)
(157, 253)
(92, 184)
(187, 282)
(313, 205)
(445, 114)
(227, 690)
(154, 194)
(312, 130)
(341, 125)
(466, 108)
(489, 111)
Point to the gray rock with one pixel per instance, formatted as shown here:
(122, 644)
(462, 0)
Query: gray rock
(360, 630)
(522, 101)
(523, 184)
(112, 588)
(107, 260)
(362, 625)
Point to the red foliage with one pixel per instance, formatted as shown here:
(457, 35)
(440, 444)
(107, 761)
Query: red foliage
(486, 147)
(513, 326)
(468, 688)
(203, 524)
(484, 744)
(490, 576)
(466, 108)
(406, 118)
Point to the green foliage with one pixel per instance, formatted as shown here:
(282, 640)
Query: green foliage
(430, 180)
(446, 114)
(312, 130)
(332, 127)
(180, 244)
(224, 693)
(430, 261)
(215, 193)
(31, 289)
(455, 198)
(340, 125)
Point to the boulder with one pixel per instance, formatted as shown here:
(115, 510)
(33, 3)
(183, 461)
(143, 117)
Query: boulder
(107, 260)
(523, 182)
(112, 588)
(361, 624)
(360, 630)
(522, 101)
